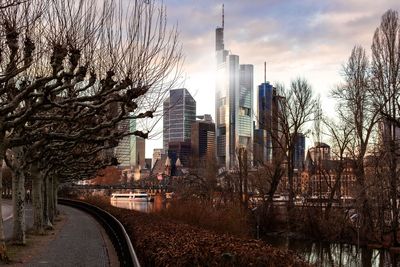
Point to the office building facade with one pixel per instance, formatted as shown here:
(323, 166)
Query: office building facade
(130, 151)
(123, 150)
(179, 114)
(203, 142)
(299, 151)
(179, 153)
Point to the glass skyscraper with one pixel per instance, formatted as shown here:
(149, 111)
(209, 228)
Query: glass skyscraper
(233, 104)
(266, 93)
(203, 142)
(123, 151)
(179, 113)
(299, 151)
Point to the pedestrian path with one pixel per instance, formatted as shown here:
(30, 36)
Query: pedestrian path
(7, 214)
(80, 242)
(6, 209)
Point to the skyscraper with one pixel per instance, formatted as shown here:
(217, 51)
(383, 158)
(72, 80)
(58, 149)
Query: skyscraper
(299, 151)
(203, 141)
(130, 151)
(179, 114)
(122, 151)
(137, 148)
(269, 143)
(233, 103)
(266, 93)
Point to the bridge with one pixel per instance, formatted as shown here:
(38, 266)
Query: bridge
(161, 188)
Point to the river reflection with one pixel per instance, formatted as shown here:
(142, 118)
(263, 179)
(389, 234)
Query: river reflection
(157, 205)
(333, 254)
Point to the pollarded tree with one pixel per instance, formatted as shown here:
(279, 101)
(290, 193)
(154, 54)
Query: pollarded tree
(63, 67)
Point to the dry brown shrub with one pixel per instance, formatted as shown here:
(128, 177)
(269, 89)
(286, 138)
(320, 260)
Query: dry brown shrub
(162, 242)
(228, 219)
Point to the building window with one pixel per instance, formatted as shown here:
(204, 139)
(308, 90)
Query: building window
(244, 111)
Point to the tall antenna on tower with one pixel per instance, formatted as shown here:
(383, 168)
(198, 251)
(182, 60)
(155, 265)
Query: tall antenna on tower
(223, 17)
(265, 71)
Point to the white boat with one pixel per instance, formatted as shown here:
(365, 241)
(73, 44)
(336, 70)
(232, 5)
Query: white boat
(139, 197)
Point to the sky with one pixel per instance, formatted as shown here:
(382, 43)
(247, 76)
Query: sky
(311, 39)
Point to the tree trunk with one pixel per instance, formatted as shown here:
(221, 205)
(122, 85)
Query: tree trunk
(335, 189)
(18, 199)
(240, 152)
(276, 178)
(46, 203)
(245, 177)
(51, 200)
(366, 222)
(37, 200)
(290, 179)
(3, 248)
(55, 195)
(394, 199)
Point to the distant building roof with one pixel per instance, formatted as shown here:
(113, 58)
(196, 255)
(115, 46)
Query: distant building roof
(320, 144)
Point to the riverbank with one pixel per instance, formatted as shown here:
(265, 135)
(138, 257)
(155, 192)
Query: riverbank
(159, 241)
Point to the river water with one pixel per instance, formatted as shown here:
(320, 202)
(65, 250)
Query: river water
(334, 254)
(157, 205)
(318, 253)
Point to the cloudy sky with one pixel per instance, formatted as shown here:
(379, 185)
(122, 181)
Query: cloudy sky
(297, 38)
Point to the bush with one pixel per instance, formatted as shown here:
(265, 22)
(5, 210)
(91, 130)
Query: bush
(162, 242)
(312, 223)
(228, 219)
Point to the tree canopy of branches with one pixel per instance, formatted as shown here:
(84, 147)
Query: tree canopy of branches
(70, 72)
(296, 109)
(386, 92)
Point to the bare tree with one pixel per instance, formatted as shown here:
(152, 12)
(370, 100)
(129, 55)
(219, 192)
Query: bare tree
(340, 134)
(386, 93)
(296, 108)
(243, 176)
(358, 111)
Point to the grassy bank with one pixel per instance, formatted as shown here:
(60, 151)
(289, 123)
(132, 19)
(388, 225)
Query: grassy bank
(160, 241)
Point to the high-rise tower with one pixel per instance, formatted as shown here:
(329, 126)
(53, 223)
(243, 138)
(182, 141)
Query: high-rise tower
(266, 95)
(203, 141)
(130, 151)
(233, 103)
(179, 114)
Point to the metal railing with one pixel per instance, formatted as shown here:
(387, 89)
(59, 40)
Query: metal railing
(113, 227)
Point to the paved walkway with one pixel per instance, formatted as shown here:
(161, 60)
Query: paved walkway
(6, 209)
(7, 213)
(81, 242)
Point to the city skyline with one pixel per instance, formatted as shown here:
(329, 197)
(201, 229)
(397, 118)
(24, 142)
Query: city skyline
(310, 39)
